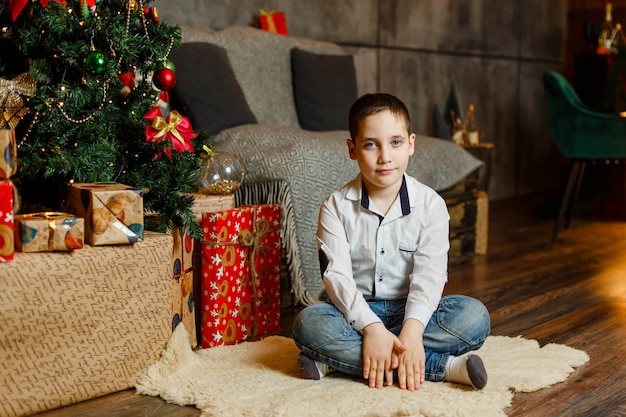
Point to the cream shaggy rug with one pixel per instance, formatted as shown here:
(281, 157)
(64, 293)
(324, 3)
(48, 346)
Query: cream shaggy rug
(264, 379)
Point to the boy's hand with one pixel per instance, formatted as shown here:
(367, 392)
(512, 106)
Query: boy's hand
(411, 366)
(379, 345)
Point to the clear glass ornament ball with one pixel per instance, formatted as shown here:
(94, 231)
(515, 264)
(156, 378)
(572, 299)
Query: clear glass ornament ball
(220, 174)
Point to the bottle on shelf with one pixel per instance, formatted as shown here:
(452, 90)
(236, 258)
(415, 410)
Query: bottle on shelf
(604, 39)
(617, 37)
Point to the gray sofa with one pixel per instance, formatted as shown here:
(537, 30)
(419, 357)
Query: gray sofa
(285, 163)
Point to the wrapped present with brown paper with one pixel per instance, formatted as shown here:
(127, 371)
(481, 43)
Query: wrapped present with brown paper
(8, 153)
(240, 274)
(7, 250)
(273, 21)
(113, 212)
(186, 264)
(183, 301)
(48, 231)
(211, 203)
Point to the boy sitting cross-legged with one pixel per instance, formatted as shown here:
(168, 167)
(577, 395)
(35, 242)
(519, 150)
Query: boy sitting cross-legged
(383, 247)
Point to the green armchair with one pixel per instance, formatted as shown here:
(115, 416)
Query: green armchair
(581, 135)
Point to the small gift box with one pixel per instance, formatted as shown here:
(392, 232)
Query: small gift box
(8, 153)
(273, 21)
(7, 250)
(240, 274)
(113, 212)
(50, 231)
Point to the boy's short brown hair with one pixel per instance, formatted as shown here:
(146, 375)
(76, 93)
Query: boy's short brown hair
(370, 104)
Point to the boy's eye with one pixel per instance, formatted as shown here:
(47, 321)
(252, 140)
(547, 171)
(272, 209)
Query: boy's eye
(396, 142)
(370, 144)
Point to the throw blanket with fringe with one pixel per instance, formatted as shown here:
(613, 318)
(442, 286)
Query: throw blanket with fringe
(298, 169)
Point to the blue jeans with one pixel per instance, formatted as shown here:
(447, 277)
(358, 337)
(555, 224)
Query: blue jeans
(459, 325)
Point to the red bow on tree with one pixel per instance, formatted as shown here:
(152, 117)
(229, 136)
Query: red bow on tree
(151, 14)
(175, 127)
(16, 6)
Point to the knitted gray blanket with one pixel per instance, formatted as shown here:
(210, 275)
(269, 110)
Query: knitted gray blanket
(298, 169)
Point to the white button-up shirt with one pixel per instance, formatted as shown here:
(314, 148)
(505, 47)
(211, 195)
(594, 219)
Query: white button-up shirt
(366, 255)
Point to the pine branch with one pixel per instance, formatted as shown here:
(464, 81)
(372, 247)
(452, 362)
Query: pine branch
(87, 130)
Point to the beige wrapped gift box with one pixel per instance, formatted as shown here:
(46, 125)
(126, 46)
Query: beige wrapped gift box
(49, 231)
(113, 212)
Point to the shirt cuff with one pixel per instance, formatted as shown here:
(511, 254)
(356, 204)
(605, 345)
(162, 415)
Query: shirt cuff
(418, 312)
(361, 317)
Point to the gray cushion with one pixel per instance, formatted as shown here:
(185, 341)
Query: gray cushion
(206, 89)
(324, 88)
(262, 64)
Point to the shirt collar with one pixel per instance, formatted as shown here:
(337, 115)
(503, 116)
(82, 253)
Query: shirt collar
(405, 203)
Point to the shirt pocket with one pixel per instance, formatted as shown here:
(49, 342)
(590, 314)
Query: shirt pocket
(406, 250)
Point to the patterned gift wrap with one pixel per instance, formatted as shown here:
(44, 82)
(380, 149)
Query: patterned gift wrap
(8, 153)
(113, 212)
(240, 274)
(186, 263)
(49, 231)
(7, 250)
(183, 303)
(208, 203)
(82, 324)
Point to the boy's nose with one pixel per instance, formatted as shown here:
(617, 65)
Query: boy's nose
(384, 155)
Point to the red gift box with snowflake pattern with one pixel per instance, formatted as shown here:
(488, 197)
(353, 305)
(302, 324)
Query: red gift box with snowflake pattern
(7, 250)
(240, 274)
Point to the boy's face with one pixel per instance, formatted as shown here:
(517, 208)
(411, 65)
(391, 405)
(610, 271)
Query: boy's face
(382, 150)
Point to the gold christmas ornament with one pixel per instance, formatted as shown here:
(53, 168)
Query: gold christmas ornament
(132, 6)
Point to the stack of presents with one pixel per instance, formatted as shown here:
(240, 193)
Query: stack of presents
(232, 273)
(95, 293)
(235, 267)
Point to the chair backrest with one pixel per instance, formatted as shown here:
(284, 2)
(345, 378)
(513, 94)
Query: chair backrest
(577, 131)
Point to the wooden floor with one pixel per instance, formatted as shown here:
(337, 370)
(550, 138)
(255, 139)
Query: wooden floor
(572, 292)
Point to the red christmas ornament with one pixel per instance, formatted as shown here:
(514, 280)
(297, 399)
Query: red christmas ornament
(164, 79)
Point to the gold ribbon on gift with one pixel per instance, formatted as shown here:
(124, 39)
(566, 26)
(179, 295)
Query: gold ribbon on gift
(269, 19)
(11, 103)
(253, 241)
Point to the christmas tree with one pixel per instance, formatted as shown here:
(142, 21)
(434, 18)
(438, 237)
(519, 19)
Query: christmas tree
(101, 68)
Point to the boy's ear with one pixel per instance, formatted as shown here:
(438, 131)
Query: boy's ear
(411, 144)
(351, 149)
